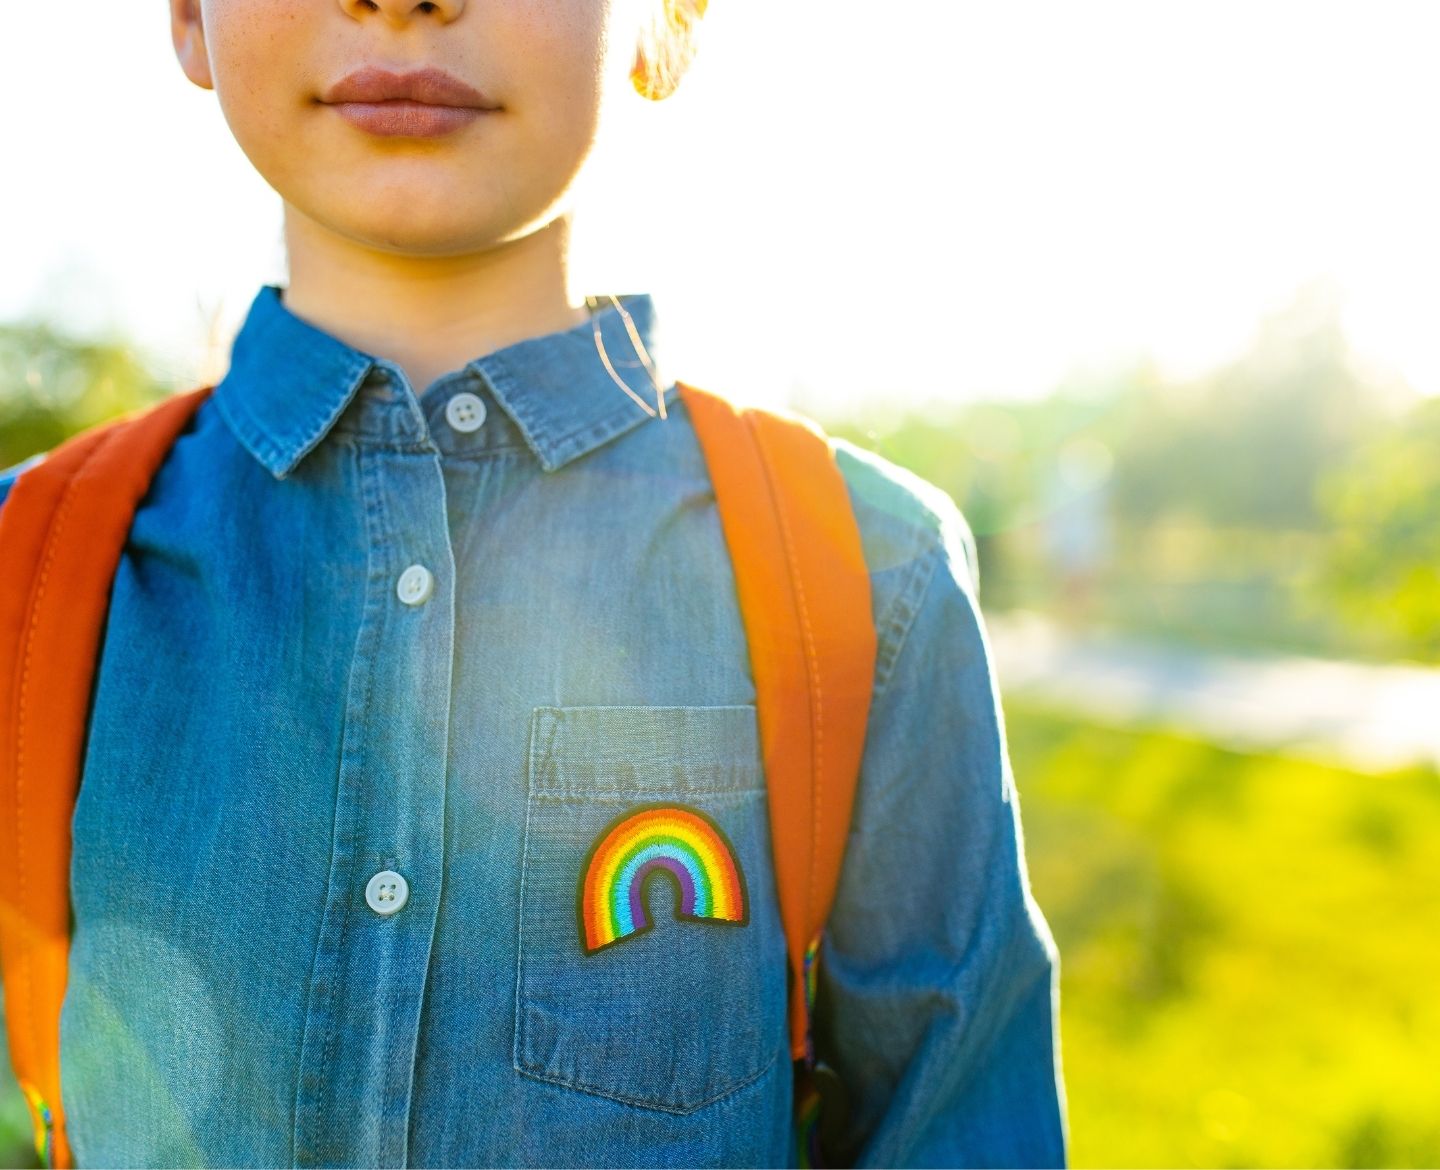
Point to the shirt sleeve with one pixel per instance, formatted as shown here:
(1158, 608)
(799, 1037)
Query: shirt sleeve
(937, 991)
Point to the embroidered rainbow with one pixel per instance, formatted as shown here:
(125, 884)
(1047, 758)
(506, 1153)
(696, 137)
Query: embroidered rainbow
(673, 839)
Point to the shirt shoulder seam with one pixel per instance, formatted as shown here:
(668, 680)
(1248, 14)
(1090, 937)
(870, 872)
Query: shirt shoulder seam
(893, 628)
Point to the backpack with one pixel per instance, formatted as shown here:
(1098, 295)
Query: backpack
(804, 595)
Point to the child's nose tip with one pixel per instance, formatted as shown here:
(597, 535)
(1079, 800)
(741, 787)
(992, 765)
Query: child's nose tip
(401, 11)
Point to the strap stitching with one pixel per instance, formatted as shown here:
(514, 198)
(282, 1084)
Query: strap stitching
(812, 665)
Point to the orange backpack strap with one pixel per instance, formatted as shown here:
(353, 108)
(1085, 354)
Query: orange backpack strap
(804, 593)
(62, 528)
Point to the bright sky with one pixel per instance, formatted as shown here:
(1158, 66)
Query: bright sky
(847, 201)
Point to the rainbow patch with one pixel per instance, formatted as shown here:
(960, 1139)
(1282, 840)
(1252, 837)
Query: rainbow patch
(674, 839)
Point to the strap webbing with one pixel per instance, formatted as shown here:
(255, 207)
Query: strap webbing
(62, 528)
(804, 593)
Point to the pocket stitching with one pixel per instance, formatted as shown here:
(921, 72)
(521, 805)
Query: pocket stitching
(645, 1103)
(546, 727)
(520, 910)
(724, 797)
(737, 773)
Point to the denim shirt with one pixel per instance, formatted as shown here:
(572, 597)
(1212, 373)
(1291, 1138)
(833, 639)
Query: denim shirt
(380, 670)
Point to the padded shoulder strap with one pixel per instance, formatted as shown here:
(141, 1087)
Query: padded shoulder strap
(62, 528)
(804, 593)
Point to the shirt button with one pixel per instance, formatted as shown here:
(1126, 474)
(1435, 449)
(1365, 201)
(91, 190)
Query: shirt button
(415, 585)
(387, 891)
(465, 412)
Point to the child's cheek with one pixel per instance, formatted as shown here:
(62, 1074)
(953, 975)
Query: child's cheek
(269, 62)
(558, 50)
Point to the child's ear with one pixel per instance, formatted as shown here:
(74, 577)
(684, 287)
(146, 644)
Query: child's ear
(187, 30)
(666, 47)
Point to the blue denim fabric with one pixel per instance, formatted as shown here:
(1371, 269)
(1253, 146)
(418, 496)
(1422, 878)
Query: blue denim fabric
(273, 725)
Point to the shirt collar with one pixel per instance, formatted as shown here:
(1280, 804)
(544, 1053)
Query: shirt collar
(290, 380)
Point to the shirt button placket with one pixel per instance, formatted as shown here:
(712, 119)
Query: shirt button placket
(388, 854)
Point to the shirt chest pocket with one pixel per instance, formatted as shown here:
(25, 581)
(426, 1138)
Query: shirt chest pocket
(651, 956)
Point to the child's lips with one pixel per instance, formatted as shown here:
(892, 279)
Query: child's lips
(421, 103)
(407, 118)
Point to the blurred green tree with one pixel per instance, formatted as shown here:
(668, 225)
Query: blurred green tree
(1247, 446)
(53, 385)
(1382, 565)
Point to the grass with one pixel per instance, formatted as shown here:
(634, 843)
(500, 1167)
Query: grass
(1248, 951)
(1248, 947)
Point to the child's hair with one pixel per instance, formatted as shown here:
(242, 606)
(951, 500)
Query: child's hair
(668, 46)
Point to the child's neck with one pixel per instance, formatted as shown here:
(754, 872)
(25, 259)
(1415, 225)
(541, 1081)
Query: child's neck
(430, 314)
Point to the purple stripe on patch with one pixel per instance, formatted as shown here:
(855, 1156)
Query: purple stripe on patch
(682, 875)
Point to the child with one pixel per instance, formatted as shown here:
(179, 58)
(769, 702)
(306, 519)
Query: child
(418, 599)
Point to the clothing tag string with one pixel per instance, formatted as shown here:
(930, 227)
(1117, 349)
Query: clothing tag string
(640, 352)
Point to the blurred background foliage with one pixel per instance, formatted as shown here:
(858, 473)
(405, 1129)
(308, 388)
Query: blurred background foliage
(1248, 940)
(52, 385)
(1282, 502)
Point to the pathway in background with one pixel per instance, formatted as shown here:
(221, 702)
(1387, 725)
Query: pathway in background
(1371, 717)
